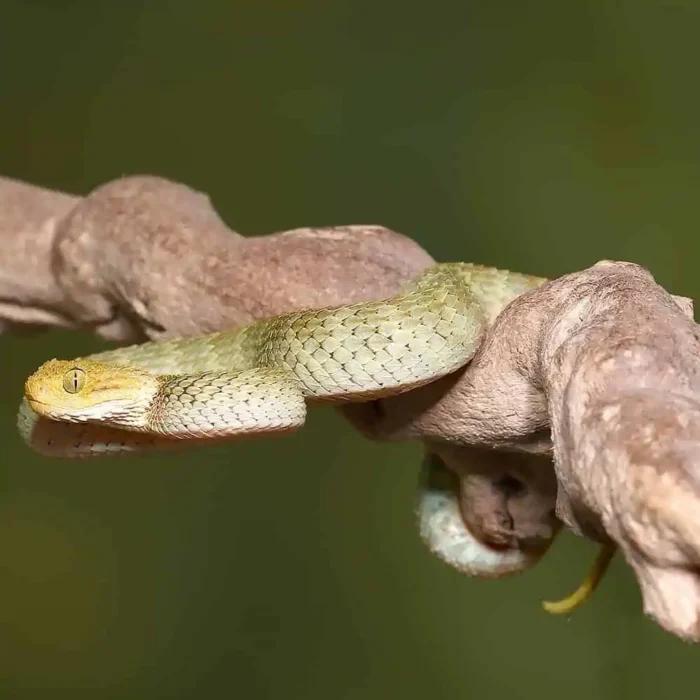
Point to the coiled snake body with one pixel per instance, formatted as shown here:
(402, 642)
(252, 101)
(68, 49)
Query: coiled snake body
(257, 379)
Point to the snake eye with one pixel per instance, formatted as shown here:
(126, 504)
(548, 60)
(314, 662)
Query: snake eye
(74, 380)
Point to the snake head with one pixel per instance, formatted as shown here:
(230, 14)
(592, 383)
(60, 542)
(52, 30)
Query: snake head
(83, 391)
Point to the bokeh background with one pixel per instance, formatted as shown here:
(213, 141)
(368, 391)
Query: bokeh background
(540, 136)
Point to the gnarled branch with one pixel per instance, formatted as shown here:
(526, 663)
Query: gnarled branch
(596, 372)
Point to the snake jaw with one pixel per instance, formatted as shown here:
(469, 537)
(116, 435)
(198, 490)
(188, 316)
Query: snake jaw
(115, 411)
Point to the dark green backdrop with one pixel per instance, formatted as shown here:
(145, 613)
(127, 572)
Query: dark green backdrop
(541, 136)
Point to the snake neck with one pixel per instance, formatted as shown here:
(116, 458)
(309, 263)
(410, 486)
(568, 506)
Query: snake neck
(230, 350)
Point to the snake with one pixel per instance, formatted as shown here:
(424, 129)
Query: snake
(258, 379)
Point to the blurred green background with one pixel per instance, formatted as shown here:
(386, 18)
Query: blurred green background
(540, 136)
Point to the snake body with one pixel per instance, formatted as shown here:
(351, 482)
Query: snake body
(258, 379)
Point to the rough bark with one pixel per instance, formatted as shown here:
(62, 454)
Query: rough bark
(593, 378)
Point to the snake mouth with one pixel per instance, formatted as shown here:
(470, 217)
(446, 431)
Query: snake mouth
(47, 410)
(116, 412)
(38, 405)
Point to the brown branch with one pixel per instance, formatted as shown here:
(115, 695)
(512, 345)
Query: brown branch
(610, 363)
(598, 369)
(142, 256)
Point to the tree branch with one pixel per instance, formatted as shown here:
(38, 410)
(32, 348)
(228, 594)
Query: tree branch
(599, 370)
